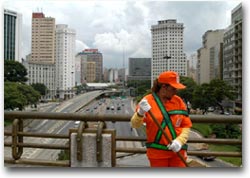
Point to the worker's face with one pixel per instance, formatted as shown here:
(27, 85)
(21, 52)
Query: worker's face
(168, 91)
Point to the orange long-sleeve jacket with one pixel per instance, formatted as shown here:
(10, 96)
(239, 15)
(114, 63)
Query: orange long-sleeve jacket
(180, 123)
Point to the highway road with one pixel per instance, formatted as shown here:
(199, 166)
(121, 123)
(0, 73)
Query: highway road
(62, 127)
(96, 107)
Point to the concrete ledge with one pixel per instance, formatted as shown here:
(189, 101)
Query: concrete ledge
(89, 151)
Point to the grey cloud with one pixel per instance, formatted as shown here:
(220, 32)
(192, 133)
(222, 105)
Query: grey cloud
(127, 18)
(197, 16)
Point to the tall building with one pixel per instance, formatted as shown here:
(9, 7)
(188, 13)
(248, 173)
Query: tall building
(192, 66)
(210, 56)
(122, 75)
(113, 75)
(167, 48)
(78, 70)
(41, 66)
(43, 39)
(12, 35)
(65, 61)
(105, 75)
(44, 74)
(81, 69)
(91, 72)
(91, 55)
(232, 59)
(139, 69)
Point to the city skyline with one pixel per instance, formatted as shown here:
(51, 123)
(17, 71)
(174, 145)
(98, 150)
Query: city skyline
(121, 29)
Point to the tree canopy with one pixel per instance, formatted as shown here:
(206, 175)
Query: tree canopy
(190, 84)
(212, 94)
(16, 93)
(14, 71)
(40, 87)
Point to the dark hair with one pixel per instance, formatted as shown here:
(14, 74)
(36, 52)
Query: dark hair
(156, 86)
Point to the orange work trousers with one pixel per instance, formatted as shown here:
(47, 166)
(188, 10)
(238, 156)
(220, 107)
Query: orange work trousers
(174, 161)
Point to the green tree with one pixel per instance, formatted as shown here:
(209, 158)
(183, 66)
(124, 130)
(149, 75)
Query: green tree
(140, 86)
(14, 71)
(12, 97)
(226, 130)
(32, 96)
(40, 87)
(201, 97)
(220, 90)
(190, 84)
(212, 94)
(80, 88)
(18, 95)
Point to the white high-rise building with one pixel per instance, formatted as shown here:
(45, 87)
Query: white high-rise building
(167, 40)
(65, 61)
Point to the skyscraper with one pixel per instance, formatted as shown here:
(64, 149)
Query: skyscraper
(139, 69)
(209, 56)
(41, 66)
(167, 48)
(232, 56)
(91, 55)
(65, 61)
(43, 39)
(12, 35)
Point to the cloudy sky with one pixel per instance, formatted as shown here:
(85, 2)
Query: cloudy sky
(120, 28)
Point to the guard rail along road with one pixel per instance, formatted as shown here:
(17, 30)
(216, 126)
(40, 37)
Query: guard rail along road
(93, 146)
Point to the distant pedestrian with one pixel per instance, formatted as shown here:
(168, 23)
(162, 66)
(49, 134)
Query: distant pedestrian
(189, 106)
(170, 110)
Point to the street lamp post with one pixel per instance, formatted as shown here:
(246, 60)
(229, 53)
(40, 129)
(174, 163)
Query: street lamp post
(167, 57)
(46, 83)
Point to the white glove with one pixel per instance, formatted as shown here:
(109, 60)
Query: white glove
(144, 107)
(175, 146)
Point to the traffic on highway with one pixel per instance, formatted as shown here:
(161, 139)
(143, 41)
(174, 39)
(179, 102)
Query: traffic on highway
(88, 105)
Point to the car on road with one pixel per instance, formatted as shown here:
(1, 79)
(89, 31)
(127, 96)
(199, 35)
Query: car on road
(210, 109)
(77, 123)
(203, 147)
(206, 157)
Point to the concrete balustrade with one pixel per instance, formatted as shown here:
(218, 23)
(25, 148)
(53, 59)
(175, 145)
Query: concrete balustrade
(89, 157)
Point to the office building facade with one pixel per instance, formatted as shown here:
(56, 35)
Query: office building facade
(232, 59)
(43, 39)
(12, 35)
(41, 65)
(139, 69)
(65, 61)
(167, 48)
(210, 57)
(91, 55)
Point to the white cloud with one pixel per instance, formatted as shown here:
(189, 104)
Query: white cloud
(80, 46)
(117, 27)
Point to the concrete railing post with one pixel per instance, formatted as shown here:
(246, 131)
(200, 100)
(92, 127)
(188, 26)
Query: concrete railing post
(89, 150)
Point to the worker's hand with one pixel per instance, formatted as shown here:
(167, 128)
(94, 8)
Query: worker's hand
(144, 107)
(175, 146)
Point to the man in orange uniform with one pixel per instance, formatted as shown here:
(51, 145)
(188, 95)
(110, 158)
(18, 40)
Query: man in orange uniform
(171, 112)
